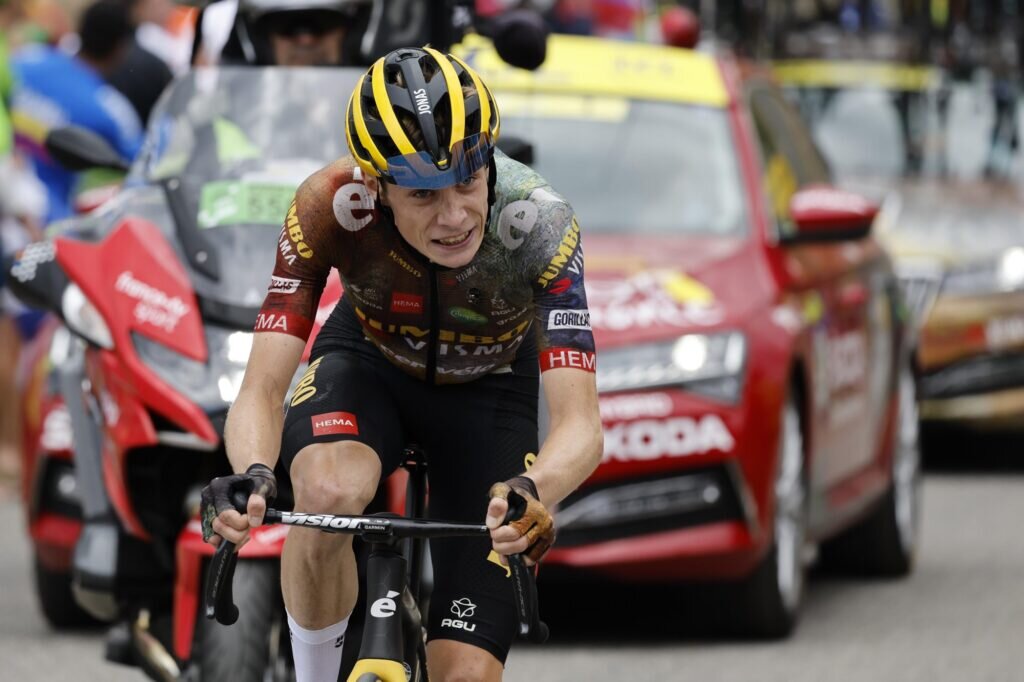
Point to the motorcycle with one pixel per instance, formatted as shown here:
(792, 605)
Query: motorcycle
(155, 295)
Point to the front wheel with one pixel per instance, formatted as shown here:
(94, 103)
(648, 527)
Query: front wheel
(885, 543)
(770, 599)
(241, 652)
(56, 600)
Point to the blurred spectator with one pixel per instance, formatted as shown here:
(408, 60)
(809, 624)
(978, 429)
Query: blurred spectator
(573, 16)
(165, 29)
(142, 76)
(22, 203)
(57, 89)
(213, 28)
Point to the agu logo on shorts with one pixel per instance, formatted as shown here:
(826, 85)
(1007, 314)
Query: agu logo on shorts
(333, 423)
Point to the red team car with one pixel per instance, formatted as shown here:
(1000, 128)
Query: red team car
(756, 378)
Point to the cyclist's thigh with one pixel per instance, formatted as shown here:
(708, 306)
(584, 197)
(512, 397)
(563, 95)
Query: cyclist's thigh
(341, 397)
(481, 433)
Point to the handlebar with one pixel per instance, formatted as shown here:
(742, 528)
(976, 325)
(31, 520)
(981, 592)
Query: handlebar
(219, 601)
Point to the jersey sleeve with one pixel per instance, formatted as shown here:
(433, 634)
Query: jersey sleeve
(300, 271)
(562, 324)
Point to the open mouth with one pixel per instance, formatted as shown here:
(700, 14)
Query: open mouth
(457, 240)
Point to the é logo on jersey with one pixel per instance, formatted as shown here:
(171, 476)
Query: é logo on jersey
(353, 206)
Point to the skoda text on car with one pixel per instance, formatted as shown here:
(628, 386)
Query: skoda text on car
(757, 395)
(953, 219)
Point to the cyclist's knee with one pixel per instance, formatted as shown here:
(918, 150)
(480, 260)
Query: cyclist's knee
(335, 478)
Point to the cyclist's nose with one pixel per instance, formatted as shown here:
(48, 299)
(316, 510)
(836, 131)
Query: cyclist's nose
(451, 208)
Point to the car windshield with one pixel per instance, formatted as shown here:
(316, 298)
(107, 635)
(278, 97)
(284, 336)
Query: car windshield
(231, 145)
(871, 132)
(631, 165)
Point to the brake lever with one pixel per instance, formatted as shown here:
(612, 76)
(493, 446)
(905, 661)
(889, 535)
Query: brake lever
(524, 588)
(219, 597)
(220, 604)
(531, 627)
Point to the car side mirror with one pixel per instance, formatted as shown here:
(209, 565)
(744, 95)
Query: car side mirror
(821, 213)
(78, 149)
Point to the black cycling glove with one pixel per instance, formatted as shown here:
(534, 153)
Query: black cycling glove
(258, 479)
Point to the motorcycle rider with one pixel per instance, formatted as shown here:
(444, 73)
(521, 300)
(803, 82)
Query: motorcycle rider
(450, 253)
(277, 32)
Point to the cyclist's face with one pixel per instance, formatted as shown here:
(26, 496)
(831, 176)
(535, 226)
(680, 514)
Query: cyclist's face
(445, 225)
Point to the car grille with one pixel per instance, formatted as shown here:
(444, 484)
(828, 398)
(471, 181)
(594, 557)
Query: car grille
(627, 508)
(973, 376)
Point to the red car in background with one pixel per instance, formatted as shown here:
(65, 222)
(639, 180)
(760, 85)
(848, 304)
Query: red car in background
(755, 368)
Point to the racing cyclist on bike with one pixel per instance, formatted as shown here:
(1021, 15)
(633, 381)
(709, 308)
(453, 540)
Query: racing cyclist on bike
(463, 277)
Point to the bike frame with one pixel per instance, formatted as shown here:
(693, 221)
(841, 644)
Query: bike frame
(392, 582)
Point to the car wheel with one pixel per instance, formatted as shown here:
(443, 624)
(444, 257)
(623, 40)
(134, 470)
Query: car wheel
(770, 598)
(58, 604)
(885, 543)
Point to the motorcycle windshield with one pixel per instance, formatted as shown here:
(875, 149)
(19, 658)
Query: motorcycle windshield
(229, 146)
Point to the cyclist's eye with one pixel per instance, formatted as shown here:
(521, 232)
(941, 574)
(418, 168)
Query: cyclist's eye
(421, 194)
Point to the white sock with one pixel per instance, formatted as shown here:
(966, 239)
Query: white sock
(317, 653)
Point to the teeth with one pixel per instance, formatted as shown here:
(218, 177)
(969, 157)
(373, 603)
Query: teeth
(452, 241)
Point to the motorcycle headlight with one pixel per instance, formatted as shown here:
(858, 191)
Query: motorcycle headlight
(1005, 273)
(82, 317)
(212, 384)
(708, 364)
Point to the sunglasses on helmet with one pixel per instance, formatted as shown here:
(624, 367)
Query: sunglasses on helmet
(419, 171)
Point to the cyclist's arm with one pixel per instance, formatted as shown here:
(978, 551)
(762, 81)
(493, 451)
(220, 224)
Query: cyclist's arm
(574, 443)
(252, 433)
(573, 446)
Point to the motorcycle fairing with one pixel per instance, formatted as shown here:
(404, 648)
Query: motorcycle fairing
(134, 279)
(136, 282)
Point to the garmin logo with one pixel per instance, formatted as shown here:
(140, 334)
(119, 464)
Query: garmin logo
(421, 100)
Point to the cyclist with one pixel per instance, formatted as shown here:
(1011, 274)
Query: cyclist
(463, 277)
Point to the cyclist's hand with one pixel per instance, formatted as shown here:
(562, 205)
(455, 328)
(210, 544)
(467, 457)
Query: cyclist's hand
(518, 521)
(221, 519)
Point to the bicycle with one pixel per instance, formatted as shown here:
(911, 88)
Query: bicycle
(392, 649)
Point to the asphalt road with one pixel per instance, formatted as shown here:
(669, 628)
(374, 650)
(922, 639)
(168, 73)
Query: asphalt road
(960, 617)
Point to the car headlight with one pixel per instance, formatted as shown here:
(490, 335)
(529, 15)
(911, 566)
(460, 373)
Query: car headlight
(212, 384)
(709, 364)
(1005, 273)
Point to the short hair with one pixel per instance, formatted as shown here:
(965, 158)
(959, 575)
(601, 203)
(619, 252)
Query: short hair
(104, 28)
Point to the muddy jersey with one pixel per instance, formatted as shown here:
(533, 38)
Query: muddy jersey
(443, 325)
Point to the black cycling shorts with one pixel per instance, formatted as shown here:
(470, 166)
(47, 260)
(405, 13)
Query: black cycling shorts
(474, 434)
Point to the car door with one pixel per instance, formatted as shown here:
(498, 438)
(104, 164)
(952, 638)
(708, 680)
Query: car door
(841, 287)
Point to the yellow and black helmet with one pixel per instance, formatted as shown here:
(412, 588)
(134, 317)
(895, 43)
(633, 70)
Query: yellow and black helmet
(411, 123)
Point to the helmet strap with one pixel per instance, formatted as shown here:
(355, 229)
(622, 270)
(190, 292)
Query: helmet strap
(492, 181)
